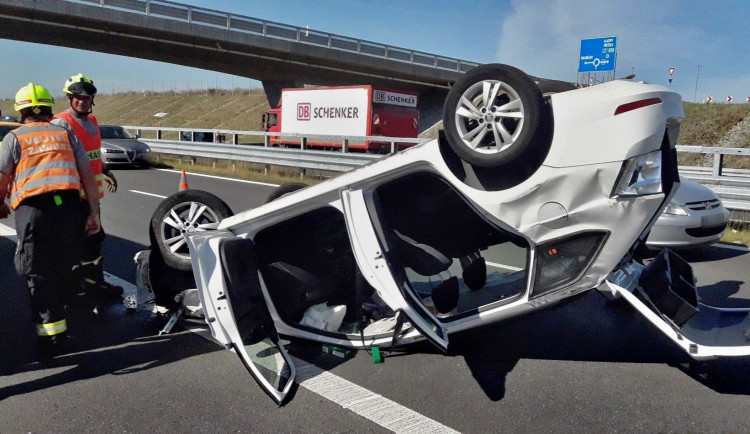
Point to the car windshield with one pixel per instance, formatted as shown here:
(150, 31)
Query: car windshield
(112, 132)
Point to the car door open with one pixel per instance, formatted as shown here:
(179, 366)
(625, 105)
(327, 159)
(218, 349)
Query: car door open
(665, 294)
(374, 267)
(232, 295)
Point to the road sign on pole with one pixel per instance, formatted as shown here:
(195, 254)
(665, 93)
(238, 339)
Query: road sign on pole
(598, 54)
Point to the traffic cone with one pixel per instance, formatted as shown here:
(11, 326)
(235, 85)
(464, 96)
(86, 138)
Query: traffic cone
(183, 181)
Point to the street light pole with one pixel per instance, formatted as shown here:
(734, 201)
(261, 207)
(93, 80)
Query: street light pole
(697, 74)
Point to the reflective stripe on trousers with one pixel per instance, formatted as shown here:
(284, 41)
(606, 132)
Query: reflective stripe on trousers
(52, 328)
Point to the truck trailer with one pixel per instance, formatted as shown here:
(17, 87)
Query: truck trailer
(354, 111)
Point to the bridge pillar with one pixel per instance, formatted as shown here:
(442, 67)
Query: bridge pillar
(273, 90)
(431, 107)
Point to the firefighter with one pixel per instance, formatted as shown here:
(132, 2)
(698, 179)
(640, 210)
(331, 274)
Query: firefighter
(80, 91)
(46, 167)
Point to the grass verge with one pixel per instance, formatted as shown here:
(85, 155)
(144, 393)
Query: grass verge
(737, 233)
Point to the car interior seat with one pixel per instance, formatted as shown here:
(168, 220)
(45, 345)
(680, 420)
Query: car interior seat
(428, 261)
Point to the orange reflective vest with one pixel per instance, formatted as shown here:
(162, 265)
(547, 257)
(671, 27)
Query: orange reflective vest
(91, 143)
(47, 162)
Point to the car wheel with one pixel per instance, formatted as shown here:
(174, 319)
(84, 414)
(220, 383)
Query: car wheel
(184, 212)
(492, 114)
(285, 189)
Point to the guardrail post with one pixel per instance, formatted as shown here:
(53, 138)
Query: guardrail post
(139, 132)
(718, 164)
(158, 134)
(267, 141)
(345, 146)
(393, 147)
(235, 139)
(303, 143)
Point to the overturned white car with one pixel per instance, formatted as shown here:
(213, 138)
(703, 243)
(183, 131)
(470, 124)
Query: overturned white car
(524, 201)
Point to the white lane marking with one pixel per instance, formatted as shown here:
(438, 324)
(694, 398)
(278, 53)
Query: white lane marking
(148, 194)
(506, 267)
(127, 287)
(8, 233)
(384, 412)
(380, 410)
(220, 177)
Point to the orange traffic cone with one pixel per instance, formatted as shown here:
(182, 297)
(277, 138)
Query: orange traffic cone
(183, 181)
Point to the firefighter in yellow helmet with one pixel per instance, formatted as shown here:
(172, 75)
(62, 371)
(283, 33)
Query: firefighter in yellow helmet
(80, 91)
(46, 167)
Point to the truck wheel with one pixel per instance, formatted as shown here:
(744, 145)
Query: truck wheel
(285, 189)
(184, 212)
(492, 116)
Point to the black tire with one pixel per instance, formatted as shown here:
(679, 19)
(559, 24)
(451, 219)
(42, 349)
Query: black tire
(283, 189)
(555, 86)
(166, 232)
(504, 134)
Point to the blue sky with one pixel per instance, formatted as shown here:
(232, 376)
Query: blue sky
(542, 37)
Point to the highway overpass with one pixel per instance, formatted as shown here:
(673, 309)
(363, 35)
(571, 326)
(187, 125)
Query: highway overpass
(278, 55)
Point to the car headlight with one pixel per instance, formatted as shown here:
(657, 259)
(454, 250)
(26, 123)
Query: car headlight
(674, 209)
(641, 175)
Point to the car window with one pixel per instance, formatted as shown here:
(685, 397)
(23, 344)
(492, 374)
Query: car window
(110, 132)
(431, 234)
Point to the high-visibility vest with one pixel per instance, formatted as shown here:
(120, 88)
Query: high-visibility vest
(47, 162)
(91, 143)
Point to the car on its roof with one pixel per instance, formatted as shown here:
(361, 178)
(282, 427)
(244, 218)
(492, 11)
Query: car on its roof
(523, 201)
(119, 147)
(7, 126)
(695, 217)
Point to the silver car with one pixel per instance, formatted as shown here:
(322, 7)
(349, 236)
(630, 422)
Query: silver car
(119, 147)
(694, 217)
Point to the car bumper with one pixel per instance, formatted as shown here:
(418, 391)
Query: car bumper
(677, 232)
(122, 159)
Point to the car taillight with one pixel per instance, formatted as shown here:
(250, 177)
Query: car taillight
(636, 105)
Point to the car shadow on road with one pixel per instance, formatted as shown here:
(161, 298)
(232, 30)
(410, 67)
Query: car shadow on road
(716, 252)
(586, 328)
(112, 342)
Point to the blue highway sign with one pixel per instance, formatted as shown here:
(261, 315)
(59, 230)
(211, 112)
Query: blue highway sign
(598, 54)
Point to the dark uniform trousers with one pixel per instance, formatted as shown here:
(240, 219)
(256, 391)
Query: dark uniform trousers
(50, 229)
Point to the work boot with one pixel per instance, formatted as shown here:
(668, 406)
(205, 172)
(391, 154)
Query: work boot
(53, 346)
(103, 290)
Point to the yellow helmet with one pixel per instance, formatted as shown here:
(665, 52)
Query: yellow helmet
(79, 85)
(32, 95)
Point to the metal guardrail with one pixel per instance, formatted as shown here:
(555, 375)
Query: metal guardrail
(244, 24)
(732, 185)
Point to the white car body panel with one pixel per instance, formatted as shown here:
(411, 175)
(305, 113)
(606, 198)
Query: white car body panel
(571, 197)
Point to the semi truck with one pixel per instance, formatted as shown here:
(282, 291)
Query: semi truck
(344, 111)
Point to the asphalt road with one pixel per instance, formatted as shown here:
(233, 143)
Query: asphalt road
(587, 365)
